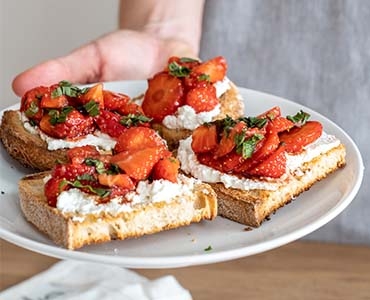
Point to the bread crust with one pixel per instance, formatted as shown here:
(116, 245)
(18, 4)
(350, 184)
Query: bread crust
(69, 231)
(231, 105)
(253, 207)
(27, 148)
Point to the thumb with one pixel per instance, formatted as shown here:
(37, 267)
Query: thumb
(81, 66)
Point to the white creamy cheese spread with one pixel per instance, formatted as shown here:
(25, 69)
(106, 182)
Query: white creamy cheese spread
(186, 117)
(190, 165)
(98, 139)
(74, 201)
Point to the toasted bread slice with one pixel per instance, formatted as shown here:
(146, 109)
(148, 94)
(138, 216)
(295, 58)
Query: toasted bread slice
(254, 206)
(250, 203)
(73, 231)
(231, 105)
(27, 148)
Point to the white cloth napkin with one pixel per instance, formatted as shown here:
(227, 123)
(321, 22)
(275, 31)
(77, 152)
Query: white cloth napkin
(72, 280)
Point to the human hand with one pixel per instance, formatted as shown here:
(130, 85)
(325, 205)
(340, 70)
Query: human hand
(121, 55)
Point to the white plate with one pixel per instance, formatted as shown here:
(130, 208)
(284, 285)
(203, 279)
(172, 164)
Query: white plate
(186, 246)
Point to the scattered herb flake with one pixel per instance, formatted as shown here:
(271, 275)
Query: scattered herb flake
(178, 71)
(188, 59)
(209, 248)
(32, 110)
(134, 120)
(99, 165)
(245, 147)
(300, 118)
(68, 89)
(92, 108)
(57, 116)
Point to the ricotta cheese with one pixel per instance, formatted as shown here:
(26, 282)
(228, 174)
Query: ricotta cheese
(97, 138)
(190, 165)
(186, 117)
(80, 204)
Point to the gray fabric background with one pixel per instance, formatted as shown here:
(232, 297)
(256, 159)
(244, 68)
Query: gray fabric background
(316, 53)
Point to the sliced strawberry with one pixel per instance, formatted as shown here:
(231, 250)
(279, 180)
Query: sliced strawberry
(121, 180)
(52, 189)
(262, 150)
(137, 164)
(166, 168)
(77, 155)
(298, 137)
(71, 171)
(215, 69)
(227, 142)
(30, 102)
(71, 124)
(163, 96)
(280, 124)
(271, 113)
(109, 123)
(131, 108)
(209, 160)
(204, 138)
(135, 138)
(202, 97)
(94, 93)
(114, 101)
(231, 161)
(273, 166)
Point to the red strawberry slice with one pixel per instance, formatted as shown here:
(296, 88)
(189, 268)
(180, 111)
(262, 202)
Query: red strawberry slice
(280, 124)
(202, 97)
(114, 101)
(109, 123)
(138, 164)
(135, 138)
(215, 68)
(73, 124)
(204, 138)
(120, 180)
(94, 93)
(163, 96)
(271, 114)
(166, 168)
(298, 137)
(273, 166)
(77, 155)
(52, 189)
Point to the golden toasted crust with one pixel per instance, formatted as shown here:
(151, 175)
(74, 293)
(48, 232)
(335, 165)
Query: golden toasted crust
(231, 105)
(69, 232)
(25, 147)
(253, 207)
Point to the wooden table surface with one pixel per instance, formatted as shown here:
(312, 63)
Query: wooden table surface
(300, 270)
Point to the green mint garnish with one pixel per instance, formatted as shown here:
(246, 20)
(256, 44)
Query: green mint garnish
(245, 147)
(134, 120)
(178, 71)
(92, 108)
(32, 110)
(188, 59)
(57, 116)
(68, 89)
(99, 165)
(77, 184)
(300, 118)
(209, 248)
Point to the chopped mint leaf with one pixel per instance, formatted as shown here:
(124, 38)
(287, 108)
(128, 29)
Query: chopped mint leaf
(178, 71)
(300, 118)
(209, 248)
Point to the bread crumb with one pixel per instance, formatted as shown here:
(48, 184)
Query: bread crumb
(248, 228)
